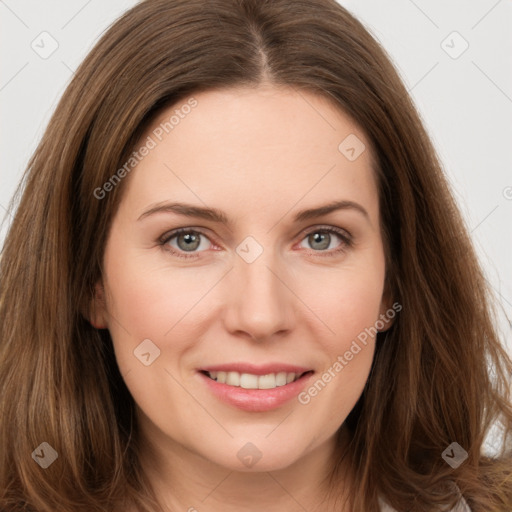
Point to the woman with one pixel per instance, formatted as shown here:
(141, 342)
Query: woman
(237, 280)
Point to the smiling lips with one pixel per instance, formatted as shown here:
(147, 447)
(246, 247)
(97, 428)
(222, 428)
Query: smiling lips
(251, 381)
(255, 388)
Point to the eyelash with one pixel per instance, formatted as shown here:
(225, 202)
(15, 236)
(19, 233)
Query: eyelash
(345, 237)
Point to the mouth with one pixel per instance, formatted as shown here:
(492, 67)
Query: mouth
(255, 388)
(254, 381)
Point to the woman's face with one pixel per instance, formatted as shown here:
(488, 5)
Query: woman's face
(257, 291)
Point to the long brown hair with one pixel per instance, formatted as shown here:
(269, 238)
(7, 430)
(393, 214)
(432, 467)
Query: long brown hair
(440, 374)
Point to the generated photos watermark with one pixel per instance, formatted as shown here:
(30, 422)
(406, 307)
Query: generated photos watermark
(151, 142)
(45, 455)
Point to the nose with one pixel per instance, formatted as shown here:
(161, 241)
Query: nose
(259, 302)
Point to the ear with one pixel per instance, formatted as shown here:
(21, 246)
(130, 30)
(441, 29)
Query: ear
(387, 312)
(98, 308)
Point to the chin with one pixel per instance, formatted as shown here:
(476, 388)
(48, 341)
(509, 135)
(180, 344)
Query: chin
(257, 455)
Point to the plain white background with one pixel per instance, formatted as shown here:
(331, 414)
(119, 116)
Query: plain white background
(453, 56)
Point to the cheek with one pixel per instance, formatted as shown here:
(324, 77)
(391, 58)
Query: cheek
(348, 303)
(156, 302)
(348, 354)
(349, 306)
(347, 299)
(147, 298)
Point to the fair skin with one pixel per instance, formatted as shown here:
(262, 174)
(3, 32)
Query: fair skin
(260, 156)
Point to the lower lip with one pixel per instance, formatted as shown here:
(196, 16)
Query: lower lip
(256, 400)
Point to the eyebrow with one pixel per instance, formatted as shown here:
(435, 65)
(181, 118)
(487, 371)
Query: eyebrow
(215, 215)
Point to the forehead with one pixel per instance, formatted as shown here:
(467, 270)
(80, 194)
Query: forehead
(257, 149)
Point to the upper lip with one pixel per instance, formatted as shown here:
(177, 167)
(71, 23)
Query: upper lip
(253, 369)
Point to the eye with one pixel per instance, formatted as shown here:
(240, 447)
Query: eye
(182, 241)
(187, 242)
(321, 238)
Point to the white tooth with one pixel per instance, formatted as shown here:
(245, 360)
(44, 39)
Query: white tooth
(267, 381)
(233, 379)
(281, 379)
(248, 381)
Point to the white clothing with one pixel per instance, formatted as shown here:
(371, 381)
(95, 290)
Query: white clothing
(462, 506)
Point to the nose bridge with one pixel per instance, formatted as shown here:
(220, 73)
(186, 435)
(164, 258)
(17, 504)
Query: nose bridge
(260, 303)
